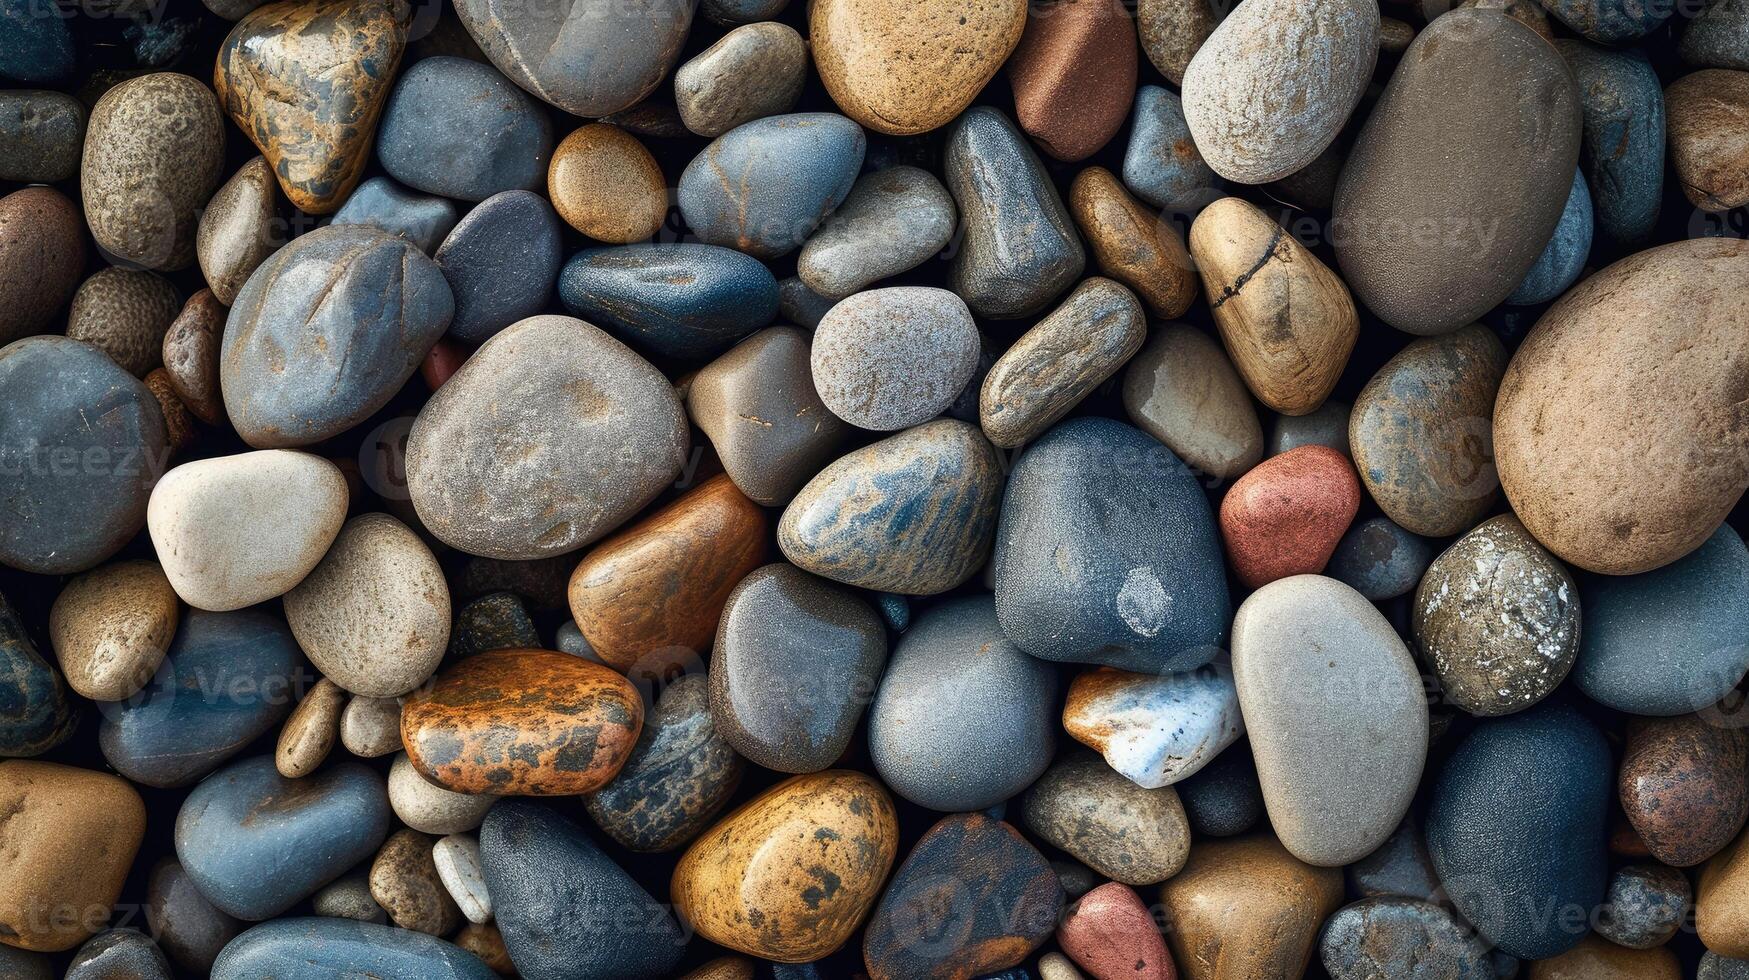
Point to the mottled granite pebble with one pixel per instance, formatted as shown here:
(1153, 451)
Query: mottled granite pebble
(1127, 833)
(888, 359)
(41, 136)
(125, 313)
(1645, 906)
(1402, 939)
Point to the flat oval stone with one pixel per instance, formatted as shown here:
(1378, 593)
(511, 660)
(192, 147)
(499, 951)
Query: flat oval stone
(1517, 825)
(1161, 163)
(422, 219)
(1106, 553)
(1275, 82)
(1074, 73)
(318, 947)
(1721, 908)
(111, 627)
(1132, 244)
(457, 128)
(1563, 258)
(1610, 21)
(1421, 432)
(594, 430)
(893, 221)
(753, 71)
(652, 594)
(41, 136)
(35, 713)
(42, 257)
(456, 859)
(606, 185)
(308, 735)
(1155, 730)
(501, 263)
(675, 299)
(228, 678)
(1497, 618)
(1709, 143)
(764, 186)
(888, 359)
(371, 727)
(124, 313)
(189, 930)
(247, 818)
(1645, 906)
(1126, 833)
(1474, 77)
(790, 875)
(1379, 559)
(796, 660)
(1019, 248)
(73, 834)
(1182, 390)
(238, 229)
(326, 331)
(1111, 933)
(1172, 31)
(924, 517)
(1621, 151)
(403, 880)
(963, 719)
(1685, 785)
(428, 807)
(1246, 908)
(1334, 710)
(1222, 798)
(972, 898)
(1286, 515)
(903, 68)
(66, 400)
(1403, 939)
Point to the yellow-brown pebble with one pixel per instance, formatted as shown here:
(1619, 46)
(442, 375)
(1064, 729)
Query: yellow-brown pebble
(1599, 959)
(724, 968)
(404, 881)
(1245, 908)
(1132, 244)
(1721, 906)
(606, 185)
(308, 735)
(111, 628)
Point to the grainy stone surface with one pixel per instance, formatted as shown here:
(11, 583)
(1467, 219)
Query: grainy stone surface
(679, 300)
(1645, 906)
(765, 185)
(70, 837)
(1182, 390)
(606, 185)
(1246, 908)
(42, 256)
(753, 71)
(371, 727)
(459, 129)
(501, 262)
(1060, 361)
(888, 359)
(422, 219)
(1162, 164)
(1379, 559)
(111, 627)
(309, 733)
(1402, 939)
(1286, 515)
(1684, 785)
(1709, 139)
(41, 136)
(1132, 244)
(428, 807)
(893, 221)
(1127, 833)
(1622, 148)
(404, 881)
(124, 313)
(239, 228)
(1172, 31)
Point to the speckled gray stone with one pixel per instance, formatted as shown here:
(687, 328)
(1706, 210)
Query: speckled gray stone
(19, 964)
(422, 219)
(1127, 833)
(1401, 939)
(886, 359)
(1380, 560)
(1718, 37)
(1716, 967)
(41, 136)
(764, 186)
(800, 305)
(460, 129)
(189, 929)
(893, 221)
(1645, 906)
(117, 953)
(751, 72)
(501, 262)
(1400, 868)
(679, 776)
(1325, 426)
(571, 640)
(1162, 165)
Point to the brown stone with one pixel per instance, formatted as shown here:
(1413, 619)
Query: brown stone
(1394, 35)
(191, 356)
(111, 628)
(178, 427)
(724, 968)
(1685, 785)
(239, 229)
(605, 184)
(42, 256)
(404, 881)
(485, 941)
(1172, 31)
(1182, 390)
(1133, 244)
(443, 360)
(1245, 908)
(1530, 13)
(1126, 833)
(1596, 958)
(790, 875)
(309, 734)
(522, 722)
(1721, 905)
(68, 839)
(1708, 114)
(1286, 516)
(1074, 75)
(124, 313)
(1111, 933)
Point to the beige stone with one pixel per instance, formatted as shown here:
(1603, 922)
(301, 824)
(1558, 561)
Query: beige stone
(111, 627)
(1182, 390)
(308, 735)
(371, 727)
(67, 839)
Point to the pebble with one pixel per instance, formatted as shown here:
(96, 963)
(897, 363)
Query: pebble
(119, 953)
(70, 837)
(111, 627)
(457, 128)
(1402, 939)
(1106, 553)
(501, 263)
(1110, 933)
(41, 136)
(1162, 163)
(239, 229)
(1056, 966)
(428, 807)
(551, 435)
(1563, 258)
(753, 71)
(247, 818)
(790, 875)
(497, 621)
(1716, 967)
(962, 719)
(801, 305)
(1684, 785)
(486, 943)
(764, 186)
(1380, 560)
(1497, 618)
(371, 727)
(1182, 390)
(68, 520)
(730, 12)
(1400, 868)
(1622, 150)
(457, 860)
(1172, 31)
(1155, 730)
(1074, 73)
(1597, 959)
(373, 616)
(1287, 320)
(893, 221)
(1721, 908)
(1126, 833)
(348, 897)
(42, 257)
(679, 300)
(1709, 141)
(124, 313)
(1132, 244)
(1223, 798)
(309, 733)
(1326, 425)
(379, 202)
(1717, 37)
(679, 776)
(914, 933)
(1246, 908)
(1645, 906)
(650, 596)
(758, 407)
(900, 68)
(1286, 515)
(1276, 81)
(317, 947)
(187, 927)
(888, 359)
(606, 185)
(314, 127)
(404, 881)
(541, 582)
(1019, 250)
(1609, 22)
(1516, 828)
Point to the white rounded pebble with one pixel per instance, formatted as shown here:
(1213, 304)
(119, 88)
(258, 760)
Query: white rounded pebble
(371, 727)
(888, 359)
(458, 865)
(432, 809)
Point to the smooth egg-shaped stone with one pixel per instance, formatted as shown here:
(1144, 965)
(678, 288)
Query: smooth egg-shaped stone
(1246, 908)
(1155, 729)
(1125, 832)
(888, 359)
(522, 723)
(1019, 249)
(1379, 559)
(308, 735)
(1272, 86)
(1617, 430)
(764, 186)
(501, 262)
(1429, 256)
(1335, 713)
(1403, 939)
(1516, 828)
(320, 947)
(239, 228)
(753, 71)
(790, 875)
(1106, 553)
(607, 185)
(457, 128)
(1132, 244)
(257, 843)
(35, 712)
(1622, 149)
(1074, 73)
(914, 513)
(550, 436)
(70, 837)
(1721, 907)
(1685, 785)
(186, 925)
(678, 299)
(566, 911)
(1162, 163)
(42, 259)
(892, 222)
(963, 718)
(228, 678)
(1709, 140)
(1610, 21)
(1286, 515)
(1182, 390)
(1563, 258)
(67, 401)
(422, 219)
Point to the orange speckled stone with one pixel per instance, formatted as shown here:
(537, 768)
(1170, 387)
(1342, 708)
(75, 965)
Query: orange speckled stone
(651, 594)
(791, 874)
(605, 184)
(522, 723)
(1287, 514)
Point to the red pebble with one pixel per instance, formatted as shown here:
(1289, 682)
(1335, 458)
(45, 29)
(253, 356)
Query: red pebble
(1287, 514)
(444, 360)
(1111, 934)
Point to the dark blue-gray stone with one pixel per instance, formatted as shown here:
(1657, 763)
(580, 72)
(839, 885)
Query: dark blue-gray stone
(801, 305)
(1622, 150)
(326, 331)
(1223, 798)
(1718, 37)
(35, 713)
(81, 443)
(227, 679)
(495, 621)
(1106, 553)
(895, 609)
(422, 219)
(19, 964)
(728, 12)
(157, 41)
(458, 128)
(1161, 165)
(41, 136)
(501, 262)
(1716, 967)
(765, 185)
(187, 927)
(36, 48)
(1672, 640)
(116, 953)
(1611, 21)
(1517, 828)
(1018, 248)
(1380, 560)
(1563, 258)
(963, 719)
(332, 949)
(257, 843)
(680, 299)
(566, 911)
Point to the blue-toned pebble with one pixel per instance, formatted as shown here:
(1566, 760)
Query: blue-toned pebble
(1622, 150)
(19, 964)
(458, 128)
(41, 136)
(116, 953)
(318, 948)
(1563, 258)
(1162, 165)
(680, 300)
(379, 202)
(1380, 560)
(571, 640)
(1611, 21)
(1718, 37)
(895, 609)
(501, 262)
(1325, 426)
(35, 714)
(764, 186)
(36, 48)
(800, 305)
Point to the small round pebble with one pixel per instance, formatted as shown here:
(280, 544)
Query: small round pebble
(1286, 515)
(371, 727)
(405, 882)
(605, 184)
(1645, 906)
(125, 313)
(110, 628)
(348, 897)
(890, 358)
(894, 220)
(430, 808)
(1127, 833)
(764, 186)
(678, 299)
(1402, 939)
(1380, 560)
(187, 927)
(752, 71)
(1223, 798)
(42, 257)
(191, 356)
(1182, 390)
(309, 733)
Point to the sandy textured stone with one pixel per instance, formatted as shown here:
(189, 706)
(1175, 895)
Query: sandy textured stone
(1246, 908)
(1074, 74)
(371, 727)
(41, 134)
(308, 735)
(1155, 730)
(1132, 244)
(753, 71)
(404, 881)
(887, 359)
(1598, 959)
(1721, 908)
(1125, 832)
(111, 627)
(1172, 31)
(124, 313)
(1401, 939)
(605, 184)
(191, 356)
(1182, 390)
(239, 229)
(179, 432)
(69, 838)
(1709, 137)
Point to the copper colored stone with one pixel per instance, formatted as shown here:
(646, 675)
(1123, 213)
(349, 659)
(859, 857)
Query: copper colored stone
(1074, 75)
(486, 942)
(1132, 244)
(1287, 514)
(605, 184)
(191, 356)
(1111, 934)
(42, 257)
(1685, 785)
(1245, 908)
(1709, 137)
(444, 359)
(1721, 905)
(178, 428)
